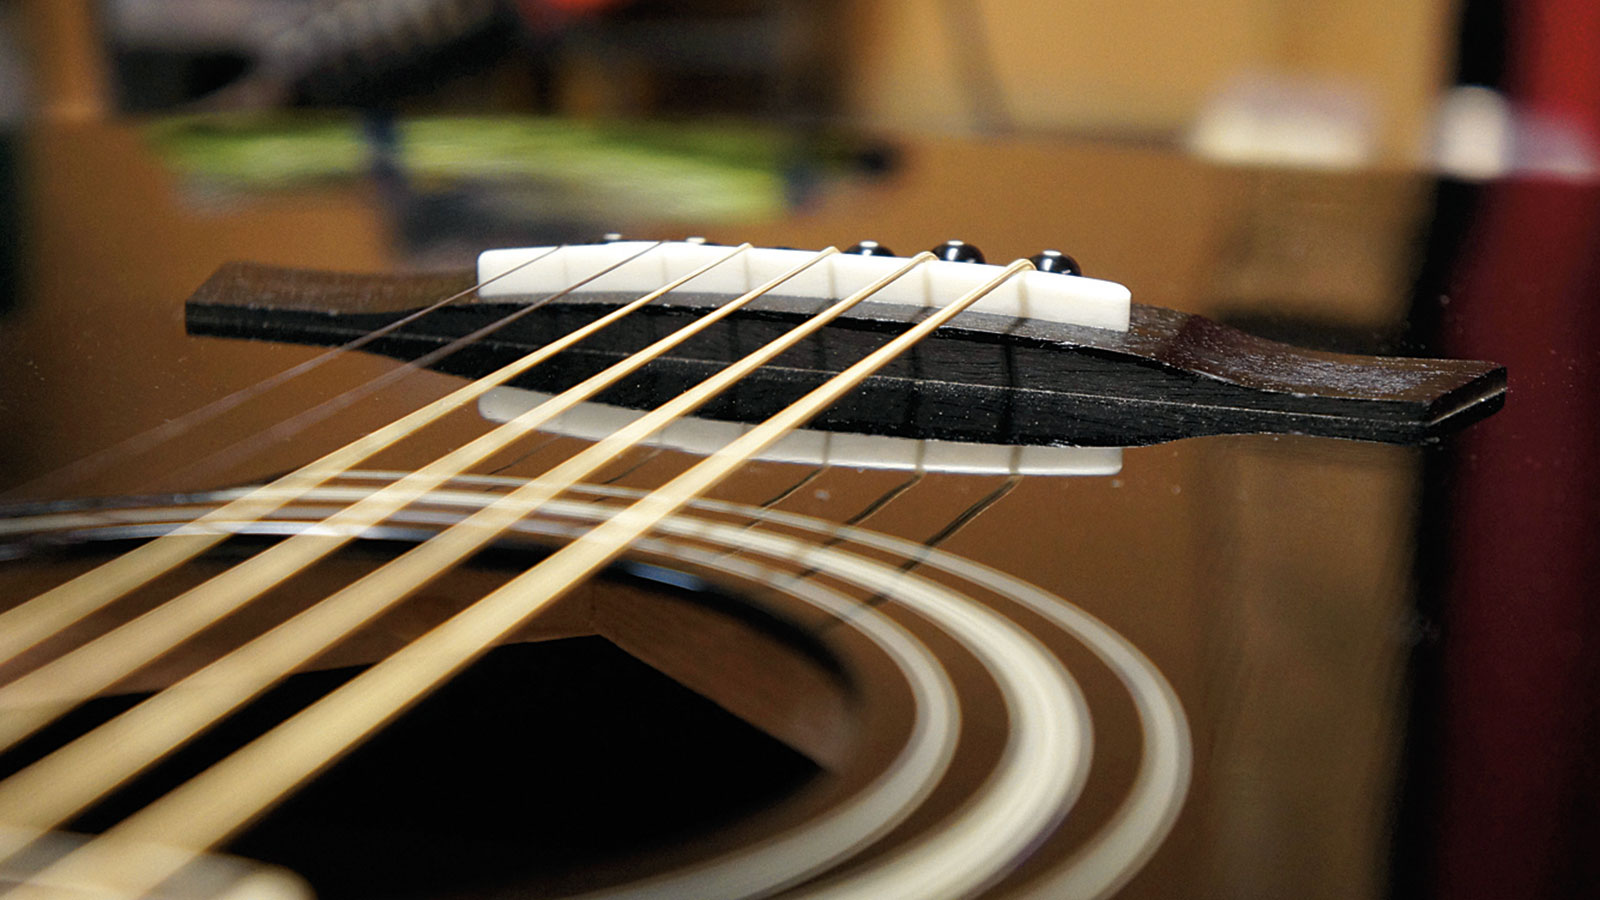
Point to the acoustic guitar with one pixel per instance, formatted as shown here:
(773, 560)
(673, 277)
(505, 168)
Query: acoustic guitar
(675, 569)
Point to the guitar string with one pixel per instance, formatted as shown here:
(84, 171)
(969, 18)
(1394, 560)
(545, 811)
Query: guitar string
(216, 803)
(143, 442)
(45, 693)
(115, 751)
(28, 623)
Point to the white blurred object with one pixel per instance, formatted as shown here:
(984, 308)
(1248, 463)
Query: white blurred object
(1283, 120)
(1472, 133)
(1480, 135)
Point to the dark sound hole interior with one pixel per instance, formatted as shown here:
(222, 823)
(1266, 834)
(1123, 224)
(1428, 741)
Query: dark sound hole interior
(544, 768)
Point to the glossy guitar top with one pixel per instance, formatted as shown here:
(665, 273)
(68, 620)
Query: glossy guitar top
(821, 679)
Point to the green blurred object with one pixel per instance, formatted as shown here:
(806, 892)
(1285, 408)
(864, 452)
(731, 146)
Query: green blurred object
(719, 172)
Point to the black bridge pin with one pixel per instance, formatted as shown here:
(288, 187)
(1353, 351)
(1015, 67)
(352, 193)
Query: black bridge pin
(958, 251)
(1057, 262)
(869, 248)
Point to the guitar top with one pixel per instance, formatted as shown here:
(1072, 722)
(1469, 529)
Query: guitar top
(983, 580)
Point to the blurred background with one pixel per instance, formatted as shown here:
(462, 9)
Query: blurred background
(1394, 675)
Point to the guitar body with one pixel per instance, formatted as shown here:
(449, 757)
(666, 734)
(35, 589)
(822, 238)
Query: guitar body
(818, 678)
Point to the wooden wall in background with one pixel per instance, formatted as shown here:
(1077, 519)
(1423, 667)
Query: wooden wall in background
(1142, 68)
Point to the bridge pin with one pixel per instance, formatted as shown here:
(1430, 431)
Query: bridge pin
(958, 251)
(1056, 261)
(870, 248)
